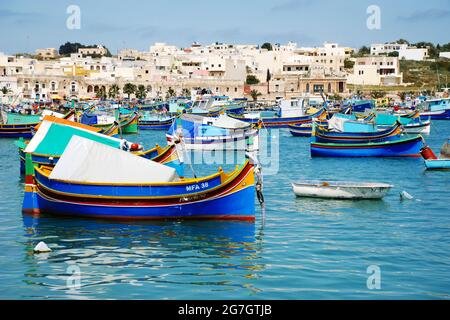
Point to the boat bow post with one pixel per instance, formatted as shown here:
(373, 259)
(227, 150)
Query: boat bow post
(30, 201)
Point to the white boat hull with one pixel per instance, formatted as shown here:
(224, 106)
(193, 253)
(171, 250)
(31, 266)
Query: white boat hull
(325, 190)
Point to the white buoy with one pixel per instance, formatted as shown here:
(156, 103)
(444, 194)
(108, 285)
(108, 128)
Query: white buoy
(42, 248)
(406, 196)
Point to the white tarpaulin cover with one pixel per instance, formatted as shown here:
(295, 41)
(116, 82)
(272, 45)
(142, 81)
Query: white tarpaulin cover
(336, 123)
(85, 160)
(227, 122)
(52, 113)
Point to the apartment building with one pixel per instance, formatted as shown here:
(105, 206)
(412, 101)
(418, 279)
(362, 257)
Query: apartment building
(376, 70)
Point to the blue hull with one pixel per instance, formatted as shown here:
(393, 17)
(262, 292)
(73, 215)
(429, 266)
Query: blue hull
(164, 127)
(26, 135)
(400, 148)
(234, 206)
(300, 132)
(440, 164)
(436, 115)
(280, 122)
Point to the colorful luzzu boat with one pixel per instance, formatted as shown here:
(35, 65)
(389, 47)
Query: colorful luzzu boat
(323, 135)
(405, 147)
(437, 109)
(15, 125)
(155, 122)
(128, 124)
(207, 133)
(53, 136)
(23, 126)
(301, 130)
(97, 181)
(412, 122)
(281, 122)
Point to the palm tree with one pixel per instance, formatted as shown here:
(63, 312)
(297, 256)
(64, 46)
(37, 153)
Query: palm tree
(186, 92)
(129, 89)
(378, 94)
(5, 91)
(101, 93)
(141, 92)
(113, 91)
(255, 94)
(170, 93)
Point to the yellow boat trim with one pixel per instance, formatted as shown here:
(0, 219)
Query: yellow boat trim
(226, 178)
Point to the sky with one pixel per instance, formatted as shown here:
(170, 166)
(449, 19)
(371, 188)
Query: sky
(26, 25)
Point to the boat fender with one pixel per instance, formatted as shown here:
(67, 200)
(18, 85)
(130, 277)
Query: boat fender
(427, 153)
(405, 196)
(42, 248)
(135, 147)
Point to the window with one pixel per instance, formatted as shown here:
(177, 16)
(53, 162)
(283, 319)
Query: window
(318, 88)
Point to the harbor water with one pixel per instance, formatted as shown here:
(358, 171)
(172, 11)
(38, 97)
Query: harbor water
(300, 249)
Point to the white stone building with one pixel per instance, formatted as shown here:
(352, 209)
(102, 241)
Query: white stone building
(377, 71)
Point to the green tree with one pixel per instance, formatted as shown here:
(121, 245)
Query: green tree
(170, 93)
(251, 80)
(186, 92)
(113, 91)
(363, 51)
(255, 94)
(335, 97)
(267, 46)
(393, 54)
(268, 78)
(5, 91)
(348, 64)
(129, 89)
(141, 92)
(101, 93)
(377, 94)
(402, 41)
(402, 95)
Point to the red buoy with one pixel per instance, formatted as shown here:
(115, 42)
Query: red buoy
(135, 147)
(428, 154)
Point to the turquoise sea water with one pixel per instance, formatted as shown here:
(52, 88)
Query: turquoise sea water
(305, 249)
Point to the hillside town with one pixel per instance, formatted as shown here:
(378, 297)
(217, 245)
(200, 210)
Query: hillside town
(268, 71)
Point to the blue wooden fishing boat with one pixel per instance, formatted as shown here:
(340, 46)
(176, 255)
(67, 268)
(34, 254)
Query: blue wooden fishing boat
(412, 122)
(52, 138)
(16, 125)
(207, 133)
(97, 181)
(405, 147)
(281, 122)
(357, 105)
(152, 122)
(323, 135)
(436, 109)
(301, 130)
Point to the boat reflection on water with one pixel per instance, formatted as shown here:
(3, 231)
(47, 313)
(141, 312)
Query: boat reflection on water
(162, 254)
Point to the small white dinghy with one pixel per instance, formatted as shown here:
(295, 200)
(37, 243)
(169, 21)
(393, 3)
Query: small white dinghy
(341, 190)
